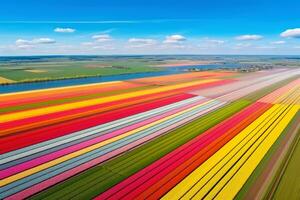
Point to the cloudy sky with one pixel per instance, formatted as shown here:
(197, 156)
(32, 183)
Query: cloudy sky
(157, 27)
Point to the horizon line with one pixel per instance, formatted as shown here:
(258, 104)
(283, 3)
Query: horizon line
(148, 55)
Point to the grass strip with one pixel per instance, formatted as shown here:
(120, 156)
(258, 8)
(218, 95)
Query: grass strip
(232, 187)
(259, 169)
(288, 186)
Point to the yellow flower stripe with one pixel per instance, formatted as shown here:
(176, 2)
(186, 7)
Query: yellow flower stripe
(52, 109)
(200, 173)
(56, 89)
(236, 159)
(239, 179)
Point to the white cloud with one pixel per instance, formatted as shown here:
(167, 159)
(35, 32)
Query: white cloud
(102, 38)
(265, 47)
(215, 42)
(291, 33)
(210, 43)
(97, 45)
(23, 42)
(87, 43)
(174, 39)
(172, 47)
(242, 45)
(249, 37)
(64, 30)
(43, 41)
(107, 31)
(20, 42)
(104, 47)
(141, 42)
(278, 42)
(25, 46)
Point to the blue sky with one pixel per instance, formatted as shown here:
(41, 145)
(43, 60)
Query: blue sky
(153, 27)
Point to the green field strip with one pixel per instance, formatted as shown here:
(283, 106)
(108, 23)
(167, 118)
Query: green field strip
(289, 184)
(72, 70)
(71, 99)
(272, 186)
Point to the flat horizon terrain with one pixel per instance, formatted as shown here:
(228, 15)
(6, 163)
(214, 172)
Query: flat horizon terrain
(27, 69)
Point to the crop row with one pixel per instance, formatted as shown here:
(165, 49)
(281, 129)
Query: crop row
(141, 139)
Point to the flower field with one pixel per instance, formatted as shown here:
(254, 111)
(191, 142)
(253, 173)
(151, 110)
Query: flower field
(200, 135)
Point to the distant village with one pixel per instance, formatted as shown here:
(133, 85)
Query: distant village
(243, 69)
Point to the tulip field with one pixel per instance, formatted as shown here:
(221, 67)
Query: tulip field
(194, 135)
